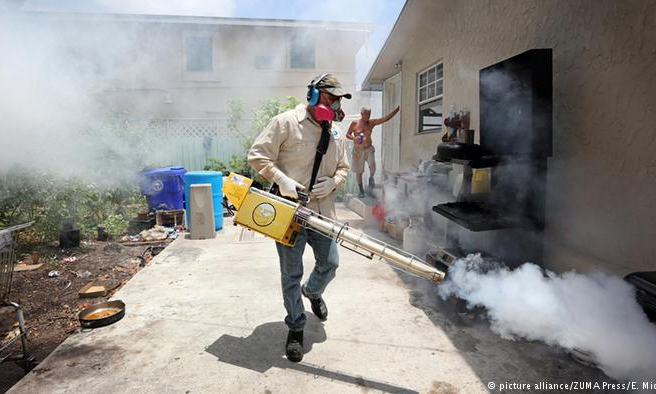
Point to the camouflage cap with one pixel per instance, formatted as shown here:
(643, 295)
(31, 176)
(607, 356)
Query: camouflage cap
(331, 84)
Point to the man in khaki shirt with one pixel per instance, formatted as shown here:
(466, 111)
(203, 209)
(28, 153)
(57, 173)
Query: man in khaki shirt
(284, 153)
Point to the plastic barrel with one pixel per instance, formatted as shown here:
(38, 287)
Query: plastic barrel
(163, 187)
(214, 178)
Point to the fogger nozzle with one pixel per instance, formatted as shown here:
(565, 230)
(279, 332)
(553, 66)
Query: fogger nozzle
(356, 241)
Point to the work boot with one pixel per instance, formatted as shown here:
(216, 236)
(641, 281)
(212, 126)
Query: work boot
(294, 346)
(318, 305)
(361, 195)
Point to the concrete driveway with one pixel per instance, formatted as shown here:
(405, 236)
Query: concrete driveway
(206, 317)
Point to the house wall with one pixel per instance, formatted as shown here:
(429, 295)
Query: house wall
(601, 208)
(154, 82)
(76, 70)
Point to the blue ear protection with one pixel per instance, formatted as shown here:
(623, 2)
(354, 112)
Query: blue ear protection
(313, 93)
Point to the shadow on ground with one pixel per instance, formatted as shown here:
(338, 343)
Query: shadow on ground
(264, 349)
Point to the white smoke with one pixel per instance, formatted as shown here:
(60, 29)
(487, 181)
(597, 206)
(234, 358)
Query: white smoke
(53, 114)
(157, 7)
(597, 314)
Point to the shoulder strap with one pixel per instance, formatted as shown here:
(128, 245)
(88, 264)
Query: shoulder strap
(322, 148)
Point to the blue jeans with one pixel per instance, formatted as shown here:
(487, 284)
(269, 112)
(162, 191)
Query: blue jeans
(291, 273)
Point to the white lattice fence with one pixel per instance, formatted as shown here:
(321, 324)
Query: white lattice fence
(192, 141)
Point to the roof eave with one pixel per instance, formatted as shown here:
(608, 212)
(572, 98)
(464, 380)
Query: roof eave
(377, 84)
(205, 20)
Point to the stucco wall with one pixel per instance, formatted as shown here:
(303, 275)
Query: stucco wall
(152, 81)
(601, 198)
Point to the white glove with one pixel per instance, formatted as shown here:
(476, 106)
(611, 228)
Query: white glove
(287, 185)
(324, 186)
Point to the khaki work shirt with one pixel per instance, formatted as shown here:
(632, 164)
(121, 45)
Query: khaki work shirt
(289, 144)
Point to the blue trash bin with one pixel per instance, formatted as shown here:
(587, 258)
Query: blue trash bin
(164, 187)
(214, 178)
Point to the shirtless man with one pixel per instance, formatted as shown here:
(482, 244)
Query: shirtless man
(360, 132)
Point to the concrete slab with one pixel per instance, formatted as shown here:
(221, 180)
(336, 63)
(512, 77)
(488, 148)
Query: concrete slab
(346, 215)
(206, 317)
(362, 207)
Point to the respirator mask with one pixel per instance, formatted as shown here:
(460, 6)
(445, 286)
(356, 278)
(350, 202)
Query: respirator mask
(332, 113)
(326, 83)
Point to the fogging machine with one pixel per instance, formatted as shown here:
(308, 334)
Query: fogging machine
(282, 220)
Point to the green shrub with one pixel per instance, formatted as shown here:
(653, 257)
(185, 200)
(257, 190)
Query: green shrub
(262, 115)
(115, 225)
(49, 200)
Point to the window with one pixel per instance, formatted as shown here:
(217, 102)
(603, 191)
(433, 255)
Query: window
(198, 51)
(429, 99)
(264, 62)
(301, 51)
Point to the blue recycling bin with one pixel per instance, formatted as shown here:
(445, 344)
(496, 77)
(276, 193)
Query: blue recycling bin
(214, 178)
(164, 187)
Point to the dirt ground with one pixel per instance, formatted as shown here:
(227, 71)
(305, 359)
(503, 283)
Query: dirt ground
(51, 304)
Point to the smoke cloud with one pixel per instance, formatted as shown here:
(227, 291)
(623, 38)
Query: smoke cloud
(178, 7)
(156, 7)
(411, 208)
(79, 90)
(54, 114)
(597, 314)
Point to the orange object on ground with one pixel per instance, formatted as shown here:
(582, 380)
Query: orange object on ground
(378, 211)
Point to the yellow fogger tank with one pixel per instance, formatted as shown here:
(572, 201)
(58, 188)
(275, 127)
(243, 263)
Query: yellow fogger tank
(282, 220)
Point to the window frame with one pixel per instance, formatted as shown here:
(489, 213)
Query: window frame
(186, 53)
(293, 37)
(438, 65)
(264, 62)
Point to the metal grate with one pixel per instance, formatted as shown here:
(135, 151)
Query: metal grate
(7, 256)
(8, 243)
(245, 235)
